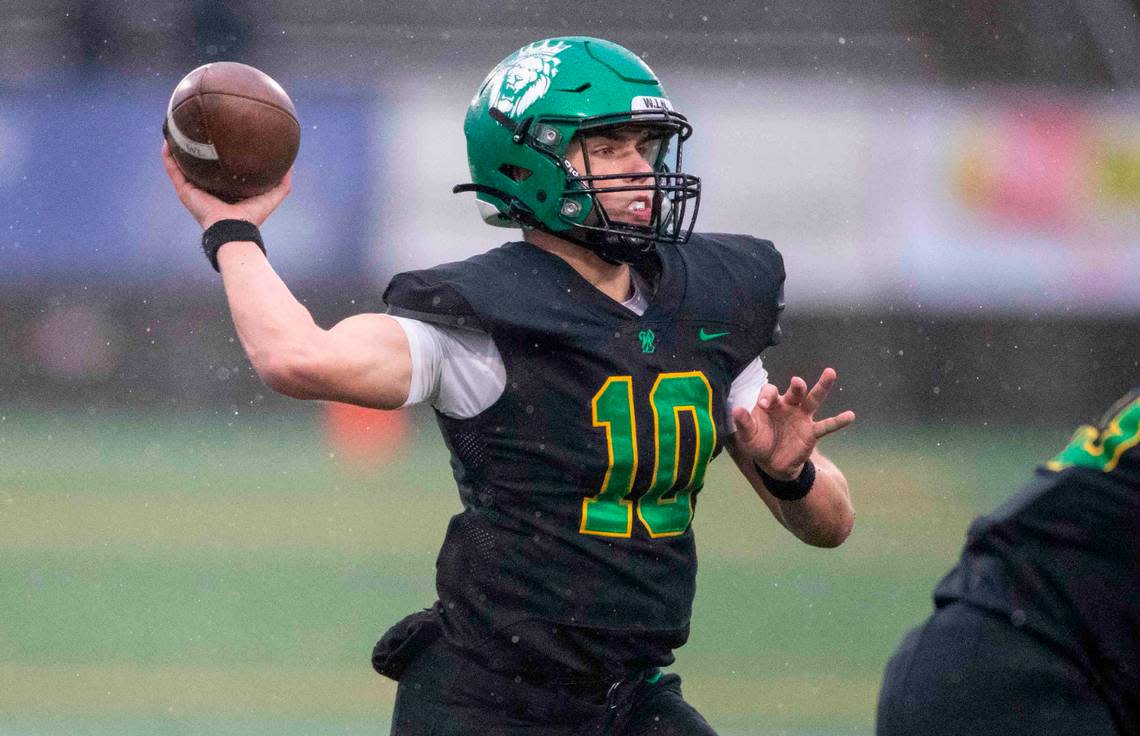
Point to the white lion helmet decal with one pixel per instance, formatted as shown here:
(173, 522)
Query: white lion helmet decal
(525, 77)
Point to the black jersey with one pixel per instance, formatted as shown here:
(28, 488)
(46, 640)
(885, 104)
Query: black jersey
(574, 551)
(1062, 558)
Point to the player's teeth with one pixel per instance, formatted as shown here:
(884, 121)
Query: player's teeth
(639, 205)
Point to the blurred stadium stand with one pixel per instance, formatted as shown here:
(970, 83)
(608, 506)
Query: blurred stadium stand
(956, 186)
(1074, 42)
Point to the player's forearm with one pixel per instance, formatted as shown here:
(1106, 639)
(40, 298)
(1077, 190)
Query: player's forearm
(274, 328)
(822, 518)
(825, 516)
(364, 359)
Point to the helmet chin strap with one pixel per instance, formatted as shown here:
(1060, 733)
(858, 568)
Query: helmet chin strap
(612, 247)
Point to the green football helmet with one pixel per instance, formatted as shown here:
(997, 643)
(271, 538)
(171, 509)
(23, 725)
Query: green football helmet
(535, 105)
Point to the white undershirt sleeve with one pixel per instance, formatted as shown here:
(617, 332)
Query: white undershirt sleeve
(427, 355)
(459, 371)
(746, 388)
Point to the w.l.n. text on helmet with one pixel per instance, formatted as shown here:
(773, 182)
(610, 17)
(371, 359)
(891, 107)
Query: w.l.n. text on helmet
(650, 103)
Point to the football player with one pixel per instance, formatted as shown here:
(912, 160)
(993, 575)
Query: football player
(583, 378)
(1036, 631)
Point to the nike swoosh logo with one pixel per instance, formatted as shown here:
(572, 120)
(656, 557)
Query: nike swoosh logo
(710, 335)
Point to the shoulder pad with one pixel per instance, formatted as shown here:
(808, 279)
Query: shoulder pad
(740, 278)
(431, 295)
(507, 288)
(744, 255)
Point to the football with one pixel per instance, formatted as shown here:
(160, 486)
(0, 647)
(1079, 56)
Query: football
(232, 130)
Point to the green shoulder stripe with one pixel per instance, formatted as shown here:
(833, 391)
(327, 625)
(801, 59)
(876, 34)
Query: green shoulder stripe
(1101, 449)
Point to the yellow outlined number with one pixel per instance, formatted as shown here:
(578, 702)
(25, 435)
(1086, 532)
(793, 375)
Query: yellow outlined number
(610, 513)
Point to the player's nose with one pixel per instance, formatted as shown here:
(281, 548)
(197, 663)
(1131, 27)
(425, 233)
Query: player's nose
(640, 168)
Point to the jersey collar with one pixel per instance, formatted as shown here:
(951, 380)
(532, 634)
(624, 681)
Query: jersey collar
(670, 282)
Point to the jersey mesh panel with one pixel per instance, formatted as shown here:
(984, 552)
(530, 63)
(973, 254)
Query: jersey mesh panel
(472, 454)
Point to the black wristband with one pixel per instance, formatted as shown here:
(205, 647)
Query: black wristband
(789, 490)
(227, 231)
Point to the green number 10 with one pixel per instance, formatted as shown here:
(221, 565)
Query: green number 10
(610, 513)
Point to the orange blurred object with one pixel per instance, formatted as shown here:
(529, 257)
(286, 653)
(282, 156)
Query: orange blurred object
(364, 439)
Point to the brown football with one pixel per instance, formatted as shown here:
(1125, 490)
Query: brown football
(232, 130)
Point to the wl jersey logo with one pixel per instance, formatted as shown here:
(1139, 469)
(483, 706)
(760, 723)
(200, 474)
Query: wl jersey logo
(525, 77)
(647, 337)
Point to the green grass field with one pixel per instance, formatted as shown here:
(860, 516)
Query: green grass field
(212, 574)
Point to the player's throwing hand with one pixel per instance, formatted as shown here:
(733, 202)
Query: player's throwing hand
(781, 431)
(208, 209)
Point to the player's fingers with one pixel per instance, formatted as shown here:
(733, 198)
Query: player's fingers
(281, 191)
(745, 425)
(825, 427)
(181, 185)
(768, 396)
(797, 389)
(259, 207)
(819, 391)
(168, 163)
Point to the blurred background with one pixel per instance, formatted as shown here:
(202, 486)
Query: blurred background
(955, 188)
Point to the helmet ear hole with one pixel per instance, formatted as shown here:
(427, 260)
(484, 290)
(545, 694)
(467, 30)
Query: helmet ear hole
(515, 173)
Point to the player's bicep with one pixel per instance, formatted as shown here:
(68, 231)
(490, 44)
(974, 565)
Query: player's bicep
(364, 360)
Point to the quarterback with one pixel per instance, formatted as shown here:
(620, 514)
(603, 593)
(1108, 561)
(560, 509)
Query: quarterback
(583, 378)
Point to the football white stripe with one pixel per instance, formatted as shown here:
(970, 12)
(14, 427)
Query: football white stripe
(204, 151)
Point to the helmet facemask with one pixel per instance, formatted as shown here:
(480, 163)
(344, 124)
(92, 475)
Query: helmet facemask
(674, 197)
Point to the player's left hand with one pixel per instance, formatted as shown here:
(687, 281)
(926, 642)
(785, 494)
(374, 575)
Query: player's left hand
(781, 431)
